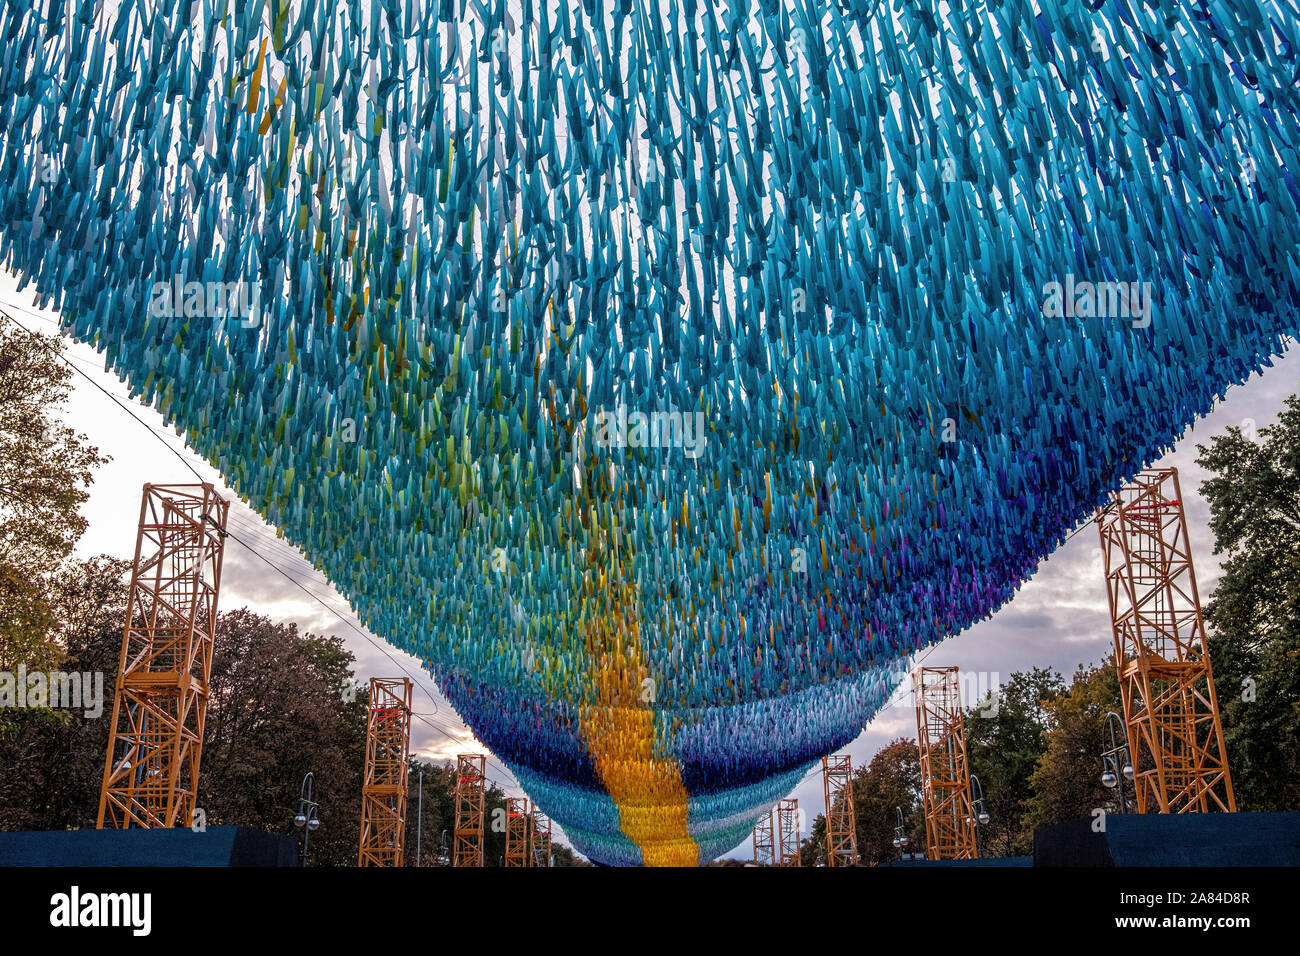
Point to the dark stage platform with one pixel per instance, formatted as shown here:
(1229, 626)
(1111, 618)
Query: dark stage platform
(216, 846)
(1187, 839)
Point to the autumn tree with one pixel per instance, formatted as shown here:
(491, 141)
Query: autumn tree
(1066, 782)
(281, 705)
(891, 781)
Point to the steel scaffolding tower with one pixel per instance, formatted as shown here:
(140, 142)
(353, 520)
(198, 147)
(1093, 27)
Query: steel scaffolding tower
(841, 821)
(470, 800)
(541, 847)
(383, 789)
(945, 777)
(764, 841)
(787, 833)
(519, 836)
(1171, 713)
(155, 741)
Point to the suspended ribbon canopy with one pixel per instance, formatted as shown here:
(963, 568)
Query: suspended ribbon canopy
(663, 374)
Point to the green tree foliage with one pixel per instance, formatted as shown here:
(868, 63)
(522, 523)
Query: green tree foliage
(1005, 737)
(25, 623)
(562, 856)
(892, 780)
(438, 813)
(45, 468)
(1254, 612)
(1066, 781)
(812, 849)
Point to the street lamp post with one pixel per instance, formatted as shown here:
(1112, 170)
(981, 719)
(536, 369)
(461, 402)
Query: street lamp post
(306, 816)
(1114, 771)
(900, 836)
(981, 817)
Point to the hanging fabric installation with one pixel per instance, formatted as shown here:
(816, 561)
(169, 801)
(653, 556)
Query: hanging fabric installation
(663, 373)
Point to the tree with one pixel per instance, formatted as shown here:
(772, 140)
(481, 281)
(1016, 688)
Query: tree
(61, 752)
(279, 706)
(891, 781)
(494, 835)
(1066, 782)
(25, 622)
(45, 468)
(1003, 745)
(561, 855)
(812, 850)
(1254, 612)
(88, 601)
(439, 813)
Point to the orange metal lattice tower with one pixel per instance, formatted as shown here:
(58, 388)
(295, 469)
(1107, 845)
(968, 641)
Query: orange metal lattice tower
(764, 841)
(787, 833)
(519, 832)
(541, 845)
(155, 741)
(945, 777)
(383, 789)
(467, 848)
(1166, 684)
(841, 820)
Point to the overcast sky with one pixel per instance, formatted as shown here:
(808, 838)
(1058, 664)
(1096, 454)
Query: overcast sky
(1058, 619)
